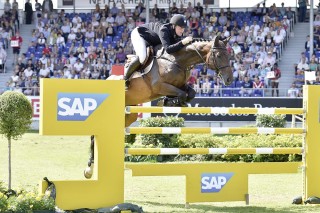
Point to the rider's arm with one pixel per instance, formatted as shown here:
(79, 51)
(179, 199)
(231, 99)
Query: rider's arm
(165, 40)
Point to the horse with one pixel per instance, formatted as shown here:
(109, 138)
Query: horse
(168, 78)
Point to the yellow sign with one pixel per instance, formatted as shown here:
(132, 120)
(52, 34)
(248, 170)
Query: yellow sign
(87, 107)
(214, 182)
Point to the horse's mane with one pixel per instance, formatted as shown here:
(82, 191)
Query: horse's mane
(198, 42)
(194, 40)
(195, 44)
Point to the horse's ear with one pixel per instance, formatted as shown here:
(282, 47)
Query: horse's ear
(216, 40)
(225, 41)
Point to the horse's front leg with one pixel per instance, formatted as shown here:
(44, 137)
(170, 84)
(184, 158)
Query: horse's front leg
(191, 93)
(89, 170)
(174, 95)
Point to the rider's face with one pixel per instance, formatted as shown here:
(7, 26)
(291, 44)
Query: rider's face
(179, 30)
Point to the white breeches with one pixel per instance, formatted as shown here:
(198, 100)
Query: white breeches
(139, 45)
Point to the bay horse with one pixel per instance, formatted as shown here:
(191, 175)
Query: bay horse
(168, 77)
(169, 74)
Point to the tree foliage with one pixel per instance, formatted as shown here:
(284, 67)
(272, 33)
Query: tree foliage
(15, 114)
(15, 119)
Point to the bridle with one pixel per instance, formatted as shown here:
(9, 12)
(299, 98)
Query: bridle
(212, 50)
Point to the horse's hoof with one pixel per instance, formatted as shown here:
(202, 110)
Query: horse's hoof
(88, 173)
(160, 103)
(183, 104)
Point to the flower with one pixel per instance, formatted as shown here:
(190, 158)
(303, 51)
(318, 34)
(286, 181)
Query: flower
(30, 201)
(3, 202)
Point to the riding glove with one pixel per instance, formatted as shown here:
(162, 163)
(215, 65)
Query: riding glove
(186, 40)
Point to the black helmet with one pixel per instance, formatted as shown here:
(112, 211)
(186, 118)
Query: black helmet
(178, 20)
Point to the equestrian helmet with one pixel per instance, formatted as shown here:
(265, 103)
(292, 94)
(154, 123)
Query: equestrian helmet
(178, 20)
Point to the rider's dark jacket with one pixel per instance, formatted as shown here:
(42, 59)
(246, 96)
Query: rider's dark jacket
(156, 33)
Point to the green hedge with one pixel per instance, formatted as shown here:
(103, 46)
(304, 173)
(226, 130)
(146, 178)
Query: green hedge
(164, 140)
(240, 141)
(155, 141)
(275, 121)
(228, 141)
(212, 141)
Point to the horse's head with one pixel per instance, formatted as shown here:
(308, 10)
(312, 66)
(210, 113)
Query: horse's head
(218, 60)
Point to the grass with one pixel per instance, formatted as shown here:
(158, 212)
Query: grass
(35, 157)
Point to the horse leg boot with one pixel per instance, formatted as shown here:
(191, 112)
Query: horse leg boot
(175, 96)
(191, 93)
(132, 66)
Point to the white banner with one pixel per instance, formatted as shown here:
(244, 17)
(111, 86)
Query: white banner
(270, 74)
(130, 4)
(310, 75)
(14, 43)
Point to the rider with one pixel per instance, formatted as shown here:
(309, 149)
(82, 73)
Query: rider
(152, 34)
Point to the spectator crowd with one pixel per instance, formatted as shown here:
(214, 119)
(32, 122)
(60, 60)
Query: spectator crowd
(306, 64)
(87, 45)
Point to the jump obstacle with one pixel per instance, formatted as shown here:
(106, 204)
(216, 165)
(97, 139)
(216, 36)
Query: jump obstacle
(86, 107)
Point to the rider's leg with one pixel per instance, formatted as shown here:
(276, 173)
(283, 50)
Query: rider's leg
(130, 68)
(140, 47)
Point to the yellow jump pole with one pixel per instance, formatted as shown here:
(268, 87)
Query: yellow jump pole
(311, 104)
(211, 151)
(213, 130)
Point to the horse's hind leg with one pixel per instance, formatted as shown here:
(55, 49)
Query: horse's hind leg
(89, 170)
(130, 118)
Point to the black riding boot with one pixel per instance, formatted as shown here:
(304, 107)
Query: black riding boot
(129, 70)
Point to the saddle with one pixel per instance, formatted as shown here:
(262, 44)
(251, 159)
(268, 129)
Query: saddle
(145, 68)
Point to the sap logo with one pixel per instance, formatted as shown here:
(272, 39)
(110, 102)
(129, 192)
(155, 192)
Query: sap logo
(78, 106)
(213, 182)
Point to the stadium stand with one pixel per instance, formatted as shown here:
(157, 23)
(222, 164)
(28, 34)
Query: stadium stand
(87, 46)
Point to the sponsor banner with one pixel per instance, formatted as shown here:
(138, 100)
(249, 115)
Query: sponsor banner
(213, 182)
(131, 4)
(235, 102)
(35, 103)
(214, 102)
(78, 106)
